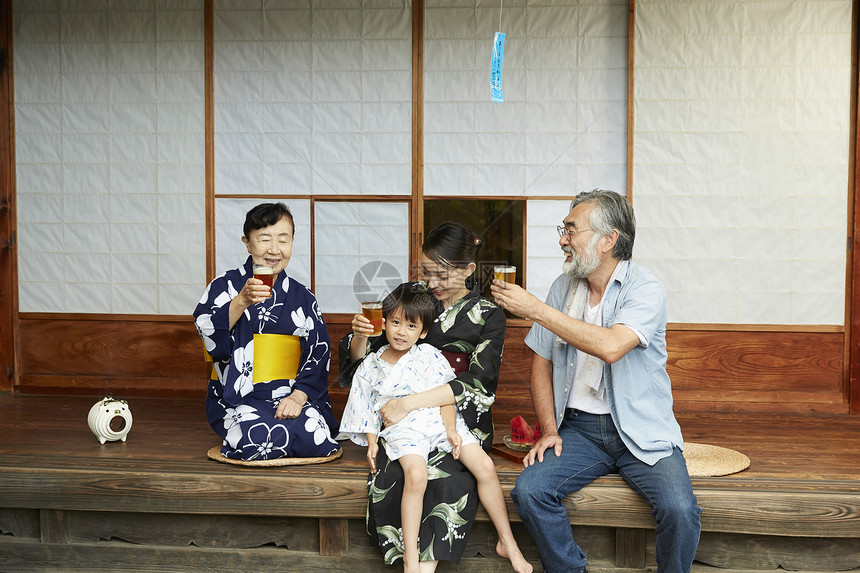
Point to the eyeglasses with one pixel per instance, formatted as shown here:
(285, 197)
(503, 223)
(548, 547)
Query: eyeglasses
(562, 231)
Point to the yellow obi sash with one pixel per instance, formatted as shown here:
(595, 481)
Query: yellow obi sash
(208, 358)
(276, 357)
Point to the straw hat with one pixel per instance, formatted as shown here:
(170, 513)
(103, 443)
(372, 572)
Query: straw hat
(214, 453)
(704, 460)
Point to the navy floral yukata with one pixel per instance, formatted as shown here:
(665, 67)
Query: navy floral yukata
(242, 412)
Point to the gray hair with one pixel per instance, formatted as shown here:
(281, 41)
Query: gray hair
(612, 212)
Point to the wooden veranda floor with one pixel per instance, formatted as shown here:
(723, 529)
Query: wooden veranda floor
(156, 502)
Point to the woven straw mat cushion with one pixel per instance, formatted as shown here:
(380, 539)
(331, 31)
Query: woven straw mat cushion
(214, 453)
(704, 460)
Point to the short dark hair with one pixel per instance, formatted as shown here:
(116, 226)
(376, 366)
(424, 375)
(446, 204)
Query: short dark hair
(414, 301)
(611, 211)
(451, 244)
(265, 215)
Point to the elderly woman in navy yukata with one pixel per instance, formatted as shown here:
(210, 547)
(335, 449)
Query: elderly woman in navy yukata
(268, 396)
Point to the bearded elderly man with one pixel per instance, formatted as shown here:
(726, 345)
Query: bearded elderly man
(600, 388)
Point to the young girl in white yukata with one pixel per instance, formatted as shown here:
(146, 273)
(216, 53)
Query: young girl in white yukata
(404, 367)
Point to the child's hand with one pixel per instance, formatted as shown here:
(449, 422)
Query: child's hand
(372, 450)
(361, 326)
(456, 441)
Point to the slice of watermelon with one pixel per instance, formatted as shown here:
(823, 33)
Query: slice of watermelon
(521, 432)
(538, 433)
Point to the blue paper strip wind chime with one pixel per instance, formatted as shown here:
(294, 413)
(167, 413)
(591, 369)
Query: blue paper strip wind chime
(496, 62)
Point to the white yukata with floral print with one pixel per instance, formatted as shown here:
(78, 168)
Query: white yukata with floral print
(376, 381)
(242, 412)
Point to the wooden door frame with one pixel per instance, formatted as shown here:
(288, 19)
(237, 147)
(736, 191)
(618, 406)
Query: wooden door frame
(8, 245)
(852, 291)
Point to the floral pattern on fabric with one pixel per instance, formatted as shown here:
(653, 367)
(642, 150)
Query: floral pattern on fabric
(376, 381)
(243, 413)
(476, 327)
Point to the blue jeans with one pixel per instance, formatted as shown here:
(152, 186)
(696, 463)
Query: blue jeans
(591, 447)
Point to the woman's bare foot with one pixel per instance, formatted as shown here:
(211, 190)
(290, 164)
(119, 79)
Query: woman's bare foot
(511, 551)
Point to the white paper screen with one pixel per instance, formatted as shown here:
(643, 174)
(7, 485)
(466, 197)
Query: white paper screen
(361, 250)
(741, 157)
(562, 126)
(313, 98)
(109, 150)
(230, 251)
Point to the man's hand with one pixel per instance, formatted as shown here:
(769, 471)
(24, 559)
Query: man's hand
(515, 299)
(545, 442)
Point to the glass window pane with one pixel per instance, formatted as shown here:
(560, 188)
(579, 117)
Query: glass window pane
(499, 223)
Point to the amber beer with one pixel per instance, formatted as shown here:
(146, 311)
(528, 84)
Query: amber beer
(372, 311)
(265, 273)
(505, 273)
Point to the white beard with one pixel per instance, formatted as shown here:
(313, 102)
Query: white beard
(580, 267)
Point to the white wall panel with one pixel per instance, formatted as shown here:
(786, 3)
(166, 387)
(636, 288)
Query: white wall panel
(741, 150)
(297, 92)
(110, 189)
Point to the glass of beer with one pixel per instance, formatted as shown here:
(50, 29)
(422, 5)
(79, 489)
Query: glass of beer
(506, 273)
(265, 273)
(372, 311)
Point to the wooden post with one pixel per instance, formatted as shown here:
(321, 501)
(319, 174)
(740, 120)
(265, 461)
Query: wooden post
(334, 537)
(209, 132)
(54, 526)
(630, 548)
(8, 249)
(852, 295)
(416, 211)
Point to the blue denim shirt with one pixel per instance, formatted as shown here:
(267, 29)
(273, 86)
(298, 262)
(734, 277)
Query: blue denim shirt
(637, 385)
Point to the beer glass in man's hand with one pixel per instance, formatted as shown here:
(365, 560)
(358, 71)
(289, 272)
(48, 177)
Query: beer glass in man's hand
(506, 273)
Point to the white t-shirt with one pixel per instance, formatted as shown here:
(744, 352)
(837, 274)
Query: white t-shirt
(581, 396)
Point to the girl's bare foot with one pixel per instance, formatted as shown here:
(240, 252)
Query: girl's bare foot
(411, 565)
(511, 551)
